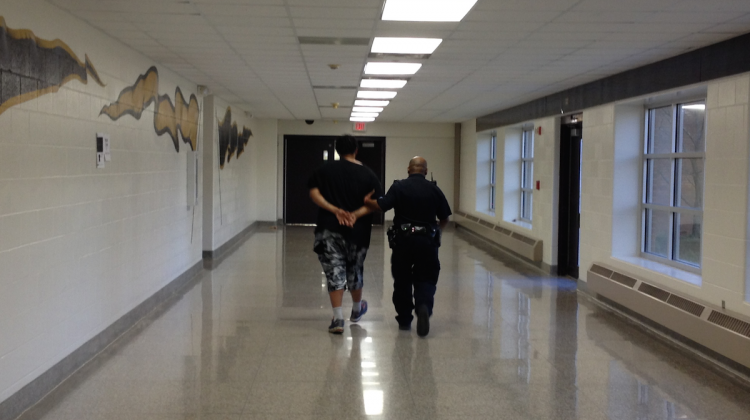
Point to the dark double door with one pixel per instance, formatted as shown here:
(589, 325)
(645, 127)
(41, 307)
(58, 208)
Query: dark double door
(571, 142)
(304, 154)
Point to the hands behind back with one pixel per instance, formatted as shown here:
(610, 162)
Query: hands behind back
(345, 218)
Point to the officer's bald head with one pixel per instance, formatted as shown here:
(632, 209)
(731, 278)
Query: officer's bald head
(417, 165)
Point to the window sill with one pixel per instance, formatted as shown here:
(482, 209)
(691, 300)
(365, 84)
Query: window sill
(667, 270)
(519, 223)
(487, 212)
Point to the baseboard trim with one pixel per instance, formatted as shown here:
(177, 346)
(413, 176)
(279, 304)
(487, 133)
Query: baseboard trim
(213, 258)
(37, 389)
(493, 247)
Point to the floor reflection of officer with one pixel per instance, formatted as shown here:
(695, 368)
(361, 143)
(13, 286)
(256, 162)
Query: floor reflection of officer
(415, 237)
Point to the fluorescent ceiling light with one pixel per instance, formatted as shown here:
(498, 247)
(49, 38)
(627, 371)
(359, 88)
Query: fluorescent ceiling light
(367, 109)
(363, 102)
(392, 68)
(695, 106)
(427, 10)
(382, 83)
(365, 114)
(389, 45)
(375, 94)
(361, 119)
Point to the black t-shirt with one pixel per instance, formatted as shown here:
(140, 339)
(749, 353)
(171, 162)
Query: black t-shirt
(415, 200)
(345, 185)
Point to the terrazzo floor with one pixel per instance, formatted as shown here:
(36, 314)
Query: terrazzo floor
(248, 340)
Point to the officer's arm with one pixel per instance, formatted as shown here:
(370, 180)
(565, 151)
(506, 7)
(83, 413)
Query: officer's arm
(387, 201)
(371, 203)
(344, 217)
(443, 223)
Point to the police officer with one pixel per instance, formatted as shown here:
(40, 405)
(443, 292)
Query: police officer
(421, 213)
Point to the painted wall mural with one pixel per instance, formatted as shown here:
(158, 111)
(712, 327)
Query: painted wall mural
(231, 141)
(180, 117)
(31, 66)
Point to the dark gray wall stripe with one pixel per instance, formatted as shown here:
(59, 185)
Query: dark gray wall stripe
(723, 59)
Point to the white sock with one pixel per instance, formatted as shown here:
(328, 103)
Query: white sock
(357, 306)
(338, 313)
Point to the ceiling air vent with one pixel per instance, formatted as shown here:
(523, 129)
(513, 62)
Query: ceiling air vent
(323, 40)
(335, 87)
(654, 291)
(686, 305)
(730, 323)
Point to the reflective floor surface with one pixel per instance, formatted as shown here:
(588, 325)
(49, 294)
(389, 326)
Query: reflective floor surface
(249, 340)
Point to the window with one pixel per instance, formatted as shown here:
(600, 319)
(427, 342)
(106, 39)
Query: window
(527, 173)
(673, 163)
(493, 166)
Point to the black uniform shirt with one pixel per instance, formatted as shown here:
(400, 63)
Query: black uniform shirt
(415, 200)
(345, 184)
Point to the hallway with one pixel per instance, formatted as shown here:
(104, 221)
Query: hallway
(248, 340)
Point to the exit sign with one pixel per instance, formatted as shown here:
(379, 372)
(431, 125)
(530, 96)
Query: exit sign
(360, 126)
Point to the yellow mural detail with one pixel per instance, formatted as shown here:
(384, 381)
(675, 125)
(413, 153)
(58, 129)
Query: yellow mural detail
(171, 118)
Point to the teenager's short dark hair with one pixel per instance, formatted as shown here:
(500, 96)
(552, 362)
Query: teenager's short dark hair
(346, 145)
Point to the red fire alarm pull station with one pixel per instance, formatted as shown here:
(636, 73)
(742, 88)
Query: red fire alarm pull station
(538, 185)
(539, 130)
(360, 126)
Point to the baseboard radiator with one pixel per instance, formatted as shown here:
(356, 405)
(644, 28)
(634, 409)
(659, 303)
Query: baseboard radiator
(720, 331)
(524, 246)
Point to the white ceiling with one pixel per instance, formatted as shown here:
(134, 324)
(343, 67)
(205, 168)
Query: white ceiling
(503, 53)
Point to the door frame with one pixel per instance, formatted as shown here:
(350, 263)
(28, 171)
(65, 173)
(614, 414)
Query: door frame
(378, 221)
(569, 211)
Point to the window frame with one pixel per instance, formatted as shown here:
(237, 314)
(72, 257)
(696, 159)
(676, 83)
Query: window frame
(675, 187)
(526, 160)
(493, 170)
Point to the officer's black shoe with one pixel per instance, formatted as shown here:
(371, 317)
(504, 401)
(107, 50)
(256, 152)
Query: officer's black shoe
(423, 321)
(404, 327)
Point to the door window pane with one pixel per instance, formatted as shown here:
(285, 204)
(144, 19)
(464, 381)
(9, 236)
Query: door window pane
(660, 130)
(689, 238)
(658, 232)
(659, 181)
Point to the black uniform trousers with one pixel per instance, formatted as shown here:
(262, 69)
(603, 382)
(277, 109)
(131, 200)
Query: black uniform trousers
(414, 265)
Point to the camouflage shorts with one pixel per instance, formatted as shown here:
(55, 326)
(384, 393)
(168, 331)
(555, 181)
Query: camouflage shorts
(342, 261)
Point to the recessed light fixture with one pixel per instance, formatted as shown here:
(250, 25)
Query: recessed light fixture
(367, 109)
(382, 83)
(392, 68)
(427, 10)
(361, 119)
(365, 114)
(388, 45)
(375, 94)
(367, 102)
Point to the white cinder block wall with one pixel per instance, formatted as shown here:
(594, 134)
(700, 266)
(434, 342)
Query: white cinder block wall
(232, 194)
(434, 142)
(80, 246)
(724, 274)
